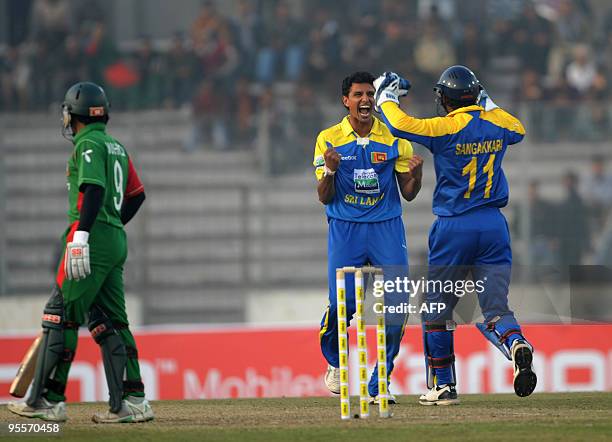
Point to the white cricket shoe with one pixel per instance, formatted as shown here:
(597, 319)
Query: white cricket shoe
(525, 379)
(332, 379)
(133, 409)
(440, 395)
(46, 410)
(390, 398)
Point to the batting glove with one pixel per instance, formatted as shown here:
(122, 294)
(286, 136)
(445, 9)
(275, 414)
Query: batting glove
(76, 260)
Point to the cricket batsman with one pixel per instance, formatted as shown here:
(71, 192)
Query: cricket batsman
(104, 193)
(468, 144)
(359, 166)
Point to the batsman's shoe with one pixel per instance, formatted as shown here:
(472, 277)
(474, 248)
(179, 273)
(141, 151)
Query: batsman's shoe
(133, 409)
(45, 410)
(332, 379)
(440, 395)
(525, 379)
(376, 399)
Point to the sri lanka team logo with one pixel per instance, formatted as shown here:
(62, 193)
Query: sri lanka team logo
(378, 157)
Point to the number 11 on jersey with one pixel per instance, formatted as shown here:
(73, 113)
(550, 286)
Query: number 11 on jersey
(472, 169)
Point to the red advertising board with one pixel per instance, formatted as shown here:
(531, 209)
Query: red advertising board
(204, 363)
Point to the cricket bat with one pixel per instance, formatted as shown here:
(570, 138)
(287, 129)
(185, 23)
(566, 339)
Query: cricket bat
(26, 370)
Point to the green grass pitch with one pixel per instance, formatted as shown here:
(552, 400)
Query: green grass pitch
(497, 417)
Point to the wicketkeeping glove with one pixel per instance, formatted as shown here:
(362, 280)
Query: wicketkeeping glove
(404, 86)
(76, 259)
(389, 87)
(485, 101)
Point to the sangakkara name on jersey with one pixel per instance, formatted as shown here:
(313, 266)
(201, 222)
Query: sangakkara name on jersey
(363, 201)
(487, 146)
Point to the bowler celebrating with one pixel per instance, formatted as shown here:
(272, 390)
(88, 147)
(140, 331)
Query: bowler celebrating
(359, 165)
(470, 234)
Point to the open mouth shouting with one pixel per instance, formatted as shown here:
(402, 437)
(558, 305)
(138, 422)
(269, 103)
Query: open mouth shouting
(365, 111)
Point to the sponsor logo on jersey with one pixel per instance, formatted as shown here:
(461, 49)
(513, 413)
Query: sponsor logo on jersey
(366, 181)
(349, 158)
(378, 157)
(87, 154)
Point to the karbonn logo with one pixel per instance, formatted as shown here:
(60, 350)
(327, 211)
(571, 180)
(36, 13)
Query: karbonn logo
(490, 372)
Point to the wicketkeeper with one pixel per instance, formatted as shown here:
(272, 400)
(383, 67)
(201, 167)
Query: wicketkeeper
(470, 233)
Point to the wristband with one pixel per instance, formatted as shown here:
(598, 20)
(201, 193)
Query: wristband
(80, 237)
(328, 171)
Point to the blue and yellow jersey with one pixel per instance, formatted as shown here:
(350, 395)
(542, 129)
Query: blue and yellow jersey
(365, 183)
(468, 146)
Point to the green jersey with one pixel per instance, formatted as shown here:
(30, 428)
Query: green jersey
(101, 160)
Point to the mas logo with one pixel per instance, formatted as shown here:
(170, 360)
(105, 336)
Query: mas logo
(379, 157)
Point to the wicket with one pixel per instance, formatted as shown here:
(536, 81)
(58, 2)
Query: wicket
(381, 349)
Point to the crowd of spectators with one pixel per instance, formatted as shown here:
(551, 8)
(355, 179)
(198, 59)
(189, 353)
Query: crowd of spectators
(576, 229)
(279, 64)
(549, 58)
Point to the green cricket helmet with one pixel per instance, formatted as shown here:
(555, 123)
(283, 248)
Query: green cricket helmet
(84, 99)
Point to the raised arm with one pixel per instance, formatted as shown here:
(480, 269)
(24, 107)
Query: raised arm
(389, 87)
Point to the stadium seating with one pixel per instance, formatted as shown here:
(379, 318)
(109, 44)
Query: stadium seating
(213, 225)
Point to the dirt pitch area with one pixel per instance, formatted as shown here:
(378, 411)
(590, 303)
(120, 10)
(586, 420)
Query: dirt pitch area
(542, 417)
